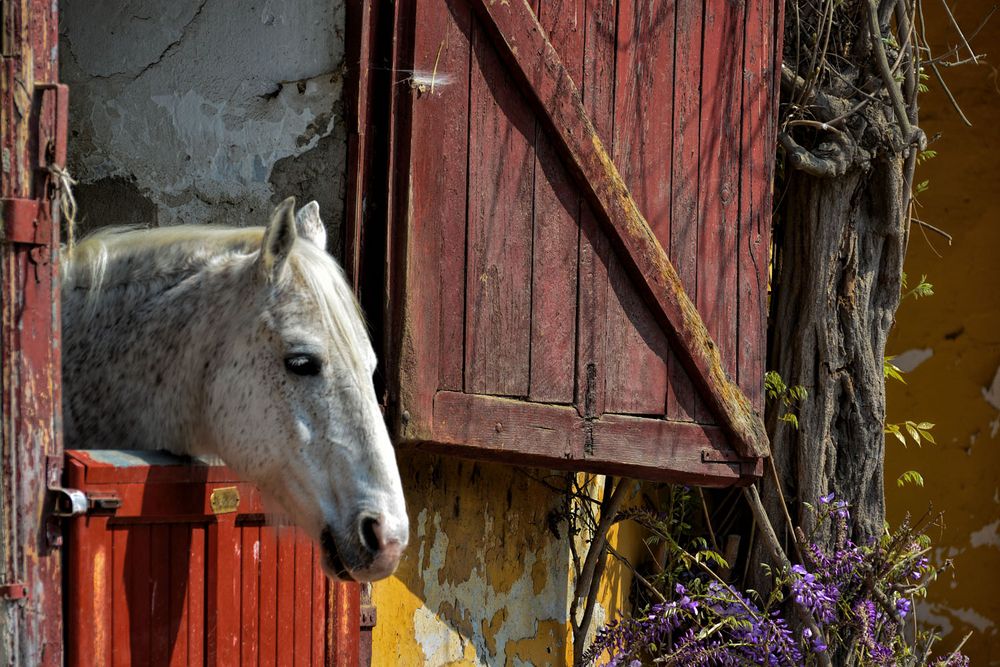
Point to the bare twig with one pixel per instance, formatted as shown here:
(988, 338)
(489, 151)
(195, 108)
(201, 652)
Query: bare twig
(708, 519)
(958, 29)
(593, 564)
(947, 91)
(972, 35)
(937, 230)
(895, 95)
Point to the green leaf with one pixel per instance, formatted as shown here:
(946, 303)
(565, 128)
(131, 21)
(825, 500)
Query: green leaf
(914, 433)
(890, 370)
(910, 477)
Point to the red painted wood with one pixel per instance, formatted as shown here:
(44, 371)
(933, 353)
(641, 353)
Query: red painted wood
(285, 613)
(755, 198)
(595, 251)
(553, 435)
(121, 619)
(344, 637)
(719, 152)
(180, 594)
(681, 396)
(250, 575)
(138, 592)
(525, 48)
(321, 610)
(642, 147)
(498, 277)
(555, 234)
(159, 594)
(438, 221)
(268, 597)
(196, 584)
(30, 378)
(219, 589)
(303, 600)
(557, 305)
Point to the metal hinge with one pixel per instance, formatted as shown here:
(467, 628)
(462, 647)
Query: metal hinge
(369, 616)
(22, 223)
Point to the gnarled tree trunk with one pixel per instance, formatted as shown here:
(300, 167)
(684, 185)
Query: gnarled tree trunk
(849, 140)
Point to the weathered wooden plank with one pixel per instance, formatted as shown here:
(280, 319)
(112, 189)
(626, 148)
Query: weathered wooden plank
(755, 200)
(268, 604)
(642, 146)
(498, 277)
(719, 150)
(250, 573)
(89, 595)
(319, 610)
(532, 58)
(159, 593)
(595, 252)
(196, 596)
(180, 594)
(303, 599)
(223, 584)
(439, 97)
(554, 436)
(556, 232)
(121, 619)
(285, 560)
(681, 396)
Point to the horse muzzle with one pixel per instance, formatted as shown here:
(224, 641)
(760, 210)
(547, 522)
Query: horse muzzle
(368, 553)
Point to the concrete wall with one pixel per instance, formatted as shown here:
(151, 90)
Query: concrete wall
(951, 343)
(203, 110)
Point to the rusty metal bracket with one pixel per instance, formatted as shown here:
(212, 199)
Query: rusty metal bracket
(15, 591)
(22, 223)
(369, 616)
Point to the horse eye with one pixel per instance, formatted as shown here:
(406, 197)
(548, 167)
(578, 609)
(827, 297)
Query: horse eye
(303, 364)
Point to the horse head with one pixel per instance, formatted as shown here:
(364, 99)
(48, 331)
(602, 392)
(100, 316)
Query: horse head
(291, 404)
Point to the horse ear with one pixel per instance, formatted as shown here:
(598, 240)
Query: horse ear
(310, 226)
(279, 236)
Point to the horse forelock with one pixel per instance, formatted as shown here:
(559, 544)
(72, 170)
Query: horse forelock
(327, 286)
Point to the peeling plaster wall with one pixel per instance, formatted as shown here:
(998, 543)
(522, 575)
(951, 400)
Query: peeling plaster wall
(487, 577)
(955, 339)
(201, 111)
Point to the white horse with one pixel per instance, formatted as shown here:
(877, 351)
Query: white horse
(245, 344)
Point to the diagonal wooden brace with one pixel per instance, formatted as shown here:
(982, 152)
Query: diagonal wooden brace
(533, 61)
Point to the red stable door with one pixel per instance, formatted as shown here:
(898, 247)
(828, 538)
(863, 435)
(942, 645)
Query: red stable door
(174, 564)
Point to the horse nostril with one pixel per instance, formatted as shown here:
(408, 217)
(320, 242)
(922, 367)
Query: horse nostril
(370, 534)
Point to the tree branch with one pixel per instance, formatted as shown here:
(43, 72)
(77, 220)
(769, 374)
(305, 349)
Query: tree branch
(910, 134)
(831, 166)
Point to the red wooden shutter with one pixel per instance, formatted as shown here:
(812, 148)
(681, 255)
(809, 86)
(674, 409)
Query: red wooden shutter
(174, 565)
(535, 314)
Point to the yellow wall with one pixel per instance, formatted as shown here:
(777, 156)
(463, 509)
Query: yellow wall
(960, 328)
(485, 580)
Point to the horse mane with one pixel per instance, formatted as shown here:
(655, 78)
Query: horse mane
(128, 256)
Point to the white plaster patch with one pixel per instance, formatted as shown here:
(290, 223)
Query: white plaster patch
(441, 642)
(988, 535)
(991, 394)
(909, 360)
(935, 615)
(974, 618)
